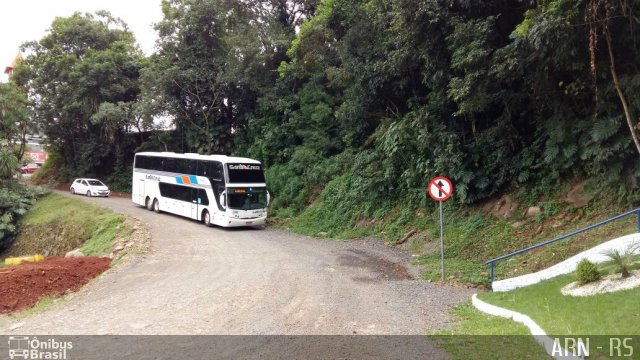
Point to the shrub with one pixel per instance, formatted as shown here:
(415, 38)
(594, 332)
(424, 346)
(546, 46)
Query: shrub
(120, 180)
(15, 200)
(287, 189)
(587, 272)
(8, 164)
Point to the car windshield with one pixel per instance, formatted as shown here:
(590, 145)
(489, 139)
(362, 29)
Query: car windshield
(95, 183)
(247, 198)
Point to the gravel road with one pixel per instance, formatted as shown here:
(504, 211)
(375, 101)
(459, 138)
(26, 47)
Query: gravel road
(199, 280)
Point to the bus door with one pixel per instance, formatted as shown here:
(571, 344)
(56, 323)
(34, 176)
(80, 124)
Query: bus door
(199, 201)
(194, 204)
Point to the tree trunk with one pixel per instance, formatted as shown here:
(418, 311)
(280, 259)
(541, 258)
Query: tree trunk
(616, 83)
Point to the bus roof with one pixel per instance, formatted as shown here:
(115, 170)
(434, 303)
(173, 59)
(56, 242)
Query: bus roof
(222, 158)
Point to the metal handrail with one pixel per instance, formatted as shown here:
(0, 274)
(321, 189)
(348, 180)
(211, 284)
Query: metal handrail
(492, 262)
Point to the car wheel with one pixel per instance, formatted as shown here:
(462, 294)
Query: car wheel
(73, 191)
(89, 193)
(156, 206)
(206, 218)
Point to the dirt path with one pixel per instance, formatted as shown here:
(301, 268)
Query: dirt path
(199, 280)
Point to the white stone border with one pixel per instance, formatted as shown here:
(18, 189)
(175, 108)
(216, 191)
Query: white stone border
(595, 255)
(549, 344)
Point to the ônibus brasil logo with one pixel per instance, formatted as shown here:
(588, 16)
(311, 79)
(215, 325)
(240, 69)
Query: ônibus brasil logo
(25, 347)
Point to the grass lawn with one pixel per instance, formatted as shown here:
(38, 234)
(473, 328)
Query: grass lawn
(612, 314)
(481, 336)
(615, 313)
(58, 223)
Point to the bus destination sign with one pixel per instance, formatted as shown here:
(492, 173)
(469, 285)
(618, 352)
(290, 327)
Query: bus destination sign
(244, 167)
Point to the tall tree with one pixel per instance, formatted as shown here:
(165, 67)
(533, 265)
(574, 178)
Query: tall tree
(604, 18)
(84, 63)
(215, 58)
(14, 119)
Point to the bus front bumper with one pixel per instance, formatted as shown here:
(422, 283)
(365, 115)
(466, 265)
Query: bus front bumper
(247, 222)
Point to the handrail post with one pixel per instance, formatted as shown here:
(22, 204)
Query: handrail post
(491, 272)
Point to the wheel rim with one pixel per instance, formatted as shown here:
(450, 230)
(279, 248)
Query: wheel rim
(207, 218)
(89, 193)
(155, 205)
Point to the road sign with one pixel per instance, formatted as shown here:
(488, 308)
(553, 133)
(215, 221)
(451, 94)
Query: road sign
(440, 188)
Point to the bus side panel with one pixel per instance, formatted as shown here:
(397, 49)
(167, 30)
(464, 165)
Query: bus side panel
(141, 192)
(151, 191)
(219, 218)
(135, 189)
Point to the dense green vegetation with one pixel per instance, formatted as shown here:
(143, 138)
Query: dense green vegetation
(354, 105)
(15, 197)
(15, 200)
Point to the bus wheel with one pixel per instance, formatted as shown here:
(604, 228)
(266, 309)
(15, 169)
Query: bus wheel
(206, 218)
(147, 204)
(156, 206)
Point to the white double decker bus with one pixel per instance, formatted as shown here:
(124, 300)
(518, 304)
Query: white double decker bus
(215, 189)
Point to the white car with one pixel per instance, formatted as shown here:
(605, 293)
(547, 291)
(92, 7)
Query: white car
(89, 187)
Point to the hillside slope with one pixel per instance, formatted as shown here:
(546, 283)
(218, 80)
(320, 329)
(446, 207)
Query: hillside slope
(474, 234)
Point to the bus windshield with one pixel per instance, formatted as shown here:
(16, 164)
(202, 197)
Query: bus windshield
(247, 198)
(245, 173)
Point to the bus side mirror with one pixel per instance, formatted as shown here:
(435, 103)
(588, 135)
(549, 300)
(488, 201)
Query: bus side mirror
(268, 198)
(222, 199)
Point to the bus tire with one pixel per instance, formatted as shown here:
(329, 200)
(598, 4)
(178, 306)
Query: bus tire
(156, 206)
(206, 218)
(147, 203)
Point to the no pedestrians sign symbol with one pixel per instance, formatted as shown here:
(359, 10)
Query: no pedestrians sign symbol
(440, 188)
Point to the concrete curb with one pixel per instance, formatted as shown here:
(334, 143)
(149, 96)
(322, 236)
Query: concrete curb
(539, 335)
(594, 255)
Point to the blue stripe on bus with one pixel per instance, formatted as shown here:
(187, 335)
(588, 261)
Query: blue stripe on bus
(193, 178)
(179, 180)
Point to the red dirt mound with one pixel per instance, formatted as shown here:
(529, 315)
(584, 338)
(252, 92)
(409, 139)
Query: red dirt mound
(23, 285)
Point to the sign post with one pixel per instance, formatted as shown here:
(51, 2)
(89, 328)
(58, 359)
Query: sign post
(440, 189)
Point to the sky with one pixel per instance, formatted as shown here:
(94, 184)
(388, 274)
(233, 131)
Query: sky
(26, 20)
